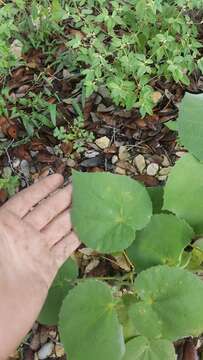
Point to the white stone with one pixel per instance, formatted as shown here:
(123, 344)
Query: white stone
(123, 153)
(25, 168)
(165, 161)
(162, 177)
(120, 171)
(92, 265)
(165, 171)
(45, 351)
(59, 350)
(114, 159)
(152, 169)
(16, 163)
(70, 162)
(180, 153)
(91, 154)
(140, 163)
(103, 142)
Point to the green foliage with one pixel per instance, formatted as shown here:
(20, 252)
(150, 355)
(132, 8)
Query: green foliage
(162, 241)
(120, 203)
(116, 43)
(160, 304)
(58, 291)
(166, 309)
(141, 348)
(77, 134)
(34, 112)
(89, 324)
(183, 192)
(9, 184)
(190, 125)
(124, 46)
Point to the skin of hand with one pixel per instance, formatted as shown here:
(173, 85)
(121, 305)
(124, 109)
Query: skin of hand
(36, 237)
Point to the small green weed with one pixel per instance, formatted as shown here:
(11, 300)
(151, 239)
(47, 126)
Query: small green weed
(77, 134)
(9, 184)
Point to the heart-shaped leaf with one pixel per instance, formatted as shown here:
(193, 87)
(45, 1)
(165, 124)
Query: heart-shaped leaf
(183, 193)
(89, 326)
(108, 209)
(190, 124)
(140, 348)
(170, 304)
(161, 242)
(58, 291)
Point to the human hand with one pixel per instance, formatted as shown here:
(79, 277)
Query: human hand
(36, 237)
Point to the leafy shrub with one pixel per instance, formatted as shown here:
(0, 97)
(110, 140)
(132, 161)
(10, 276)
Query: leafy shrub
(113, 213)
(33, 111)
(119, 44)
(126, 44)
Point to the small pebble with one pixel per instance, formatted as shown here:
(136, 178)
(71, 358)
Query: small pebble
(70, 162)
(104, 92)
(50, 150)
(66, 74)
(94, 117)
(16, 163)
(33, 153)
(156, 97)
(59, 350)
(140, 163)
(123, 153)
(103, 142)
(165, 161)
(91, 154)
(32, 170)
(180, 153)
(152, 169)
(165, 171)
(162, 177)
(114, 159)
(120, 171)
(25, 168)
(45, 351)
(92, 265)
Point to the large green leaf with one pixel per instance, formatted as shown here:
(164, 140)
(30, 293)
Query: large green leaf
(108, 209)
(140, 348)
(156, 195)
(89, 326)
(190, 124)
(170, 304)
(183, 194)
(161, 242)
(58, 291)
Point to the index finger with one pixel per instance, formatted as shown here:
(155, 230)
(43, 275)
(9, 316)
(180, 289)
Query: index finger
(24, 201)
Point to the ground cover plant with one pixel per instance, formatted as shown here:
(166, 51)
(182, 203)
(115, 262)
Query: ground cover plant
(93, 86)
(153, 308)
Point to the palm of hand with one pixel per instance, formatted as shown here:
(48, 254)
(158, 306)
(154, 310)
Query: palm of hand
(35, 238)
